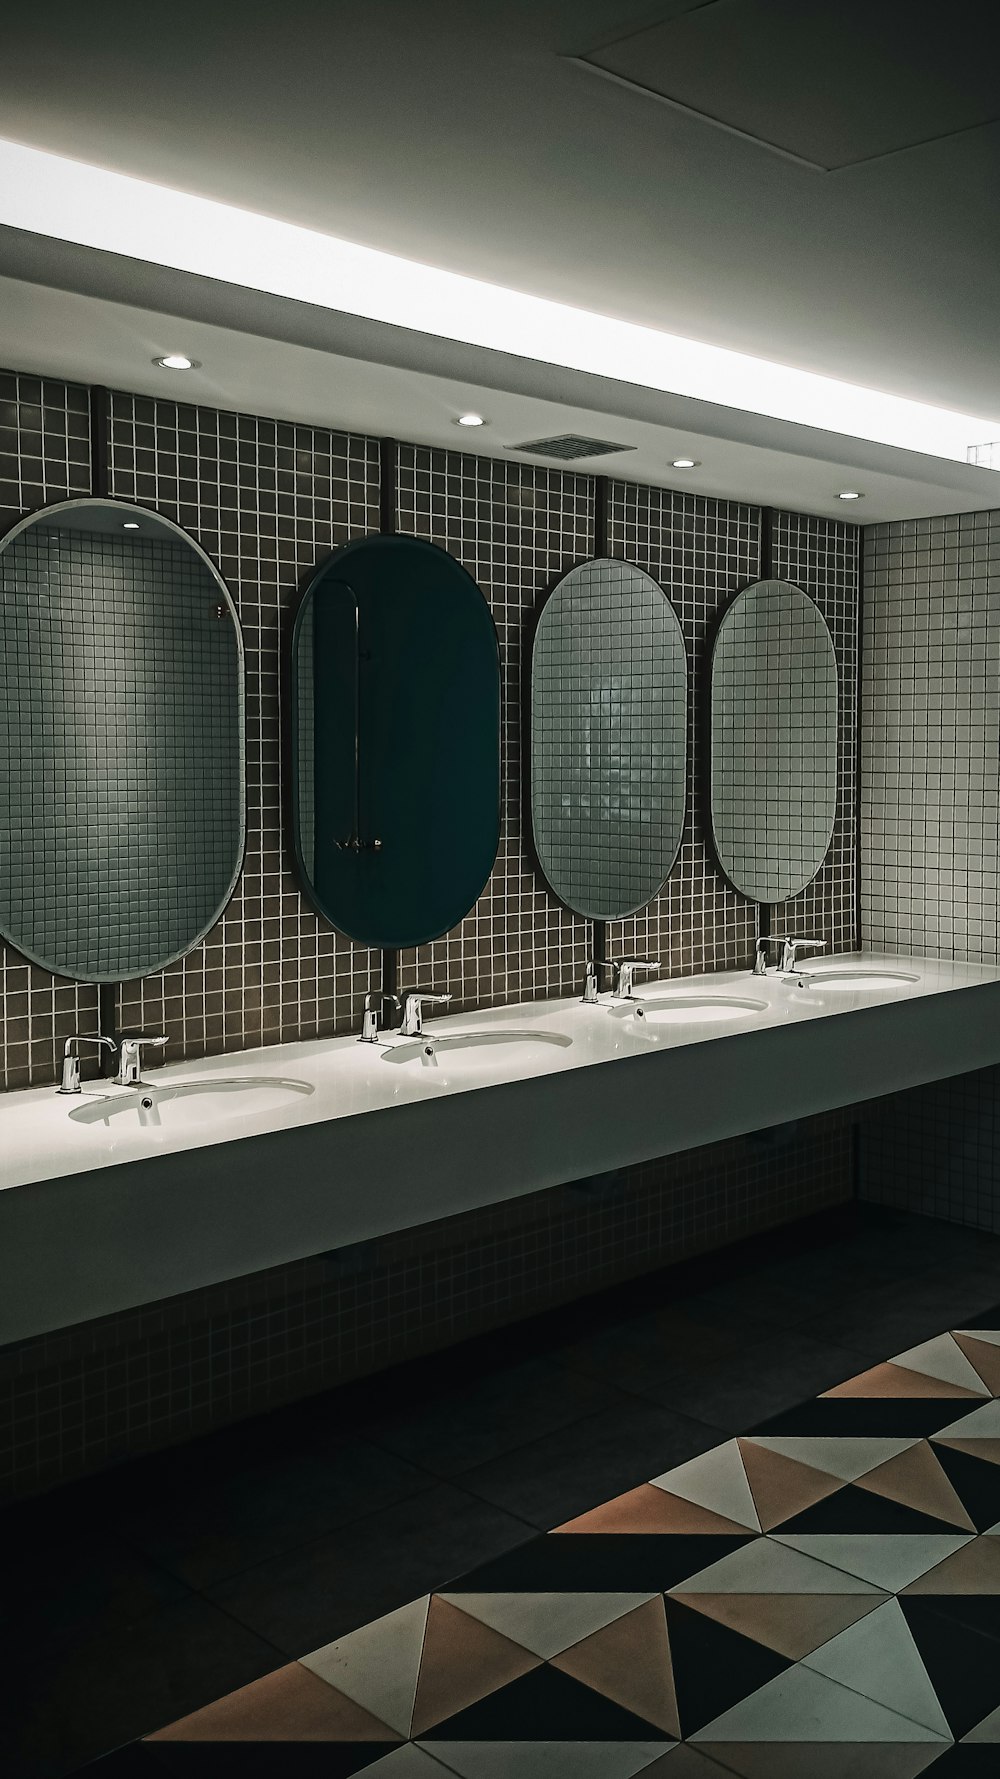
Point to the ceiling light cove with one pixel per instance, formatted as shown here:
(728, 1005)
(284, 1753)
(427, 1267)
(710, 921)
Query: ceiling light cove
(178, 361)
(684, 463)
(850, 494)
(46, 194)
(471, 420)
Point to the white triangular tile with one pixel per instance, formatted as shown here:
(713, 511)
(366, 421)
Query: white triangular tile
(989, 1729)
(878, 1657)
(979, 1423)
(803, 1706)
(990, 1335)
(546, 1623)
(889, 1560)
(716, 1480)
(547, 1760)
(377, 1666)
(769, 1567)
(941, 1358)
(846, 1458)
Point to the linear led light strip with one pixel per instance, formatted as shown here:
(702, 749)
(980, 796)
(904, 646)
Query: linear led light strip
(47, 194)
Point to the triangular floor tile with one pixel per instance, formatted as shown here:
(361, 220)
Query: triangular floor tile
(716, 1480)
(857, 1510)
(407, 1762)
(773, 1566)
(975, 1569)
(803, 1706)
(650, 1509)
(792, 1624)
(546, 1760)
(377, 1665)
(847, 1458)
(986, 1449)
(987, 1731)
(547, 1623)
(888, 1562)
(545, 1706)
(991, 1335)
(916, 1479)
(942, 1358)
(629, 1662)
(879, 1658)
(982, 1422)
(782, 1486)
(640, 1562)
(290, 1705)
(896, 1381)
(684, 1762)
(977, 1483)
(463, 1660)
(964, 1667)
(984, 1356)
(713, 1666)
(835, 1760)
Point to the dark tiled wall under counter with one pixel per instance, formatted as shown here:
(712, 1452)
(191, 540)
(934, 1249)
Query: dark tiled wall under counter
(268, 500)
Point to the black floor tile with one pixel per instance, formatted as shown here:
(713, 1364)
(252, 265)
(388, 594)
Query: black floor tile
(577, 1468)
(762, 1380)
(505, 1409)
(643, 1348)
(876, 1325)
(66, 1707)
(308, 1596)
(59, 1583)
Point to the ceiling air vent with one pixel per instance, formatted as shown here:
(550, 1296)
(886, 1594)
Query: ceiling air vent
(570, 445)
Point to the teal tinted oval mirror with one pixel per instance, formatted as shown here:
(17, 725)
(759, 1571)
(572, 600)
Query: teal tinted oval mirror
(773, 741)
(608, 739)
(395, 693)
(122, 808)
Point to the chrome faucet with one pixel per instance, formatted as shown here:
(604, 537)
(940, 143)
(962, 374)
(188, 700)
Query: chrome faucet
(376, 1001)
(71, 1059)
(790, 953)
(130, 1063)
(413, 1011)
(623, 972)
(764, 944)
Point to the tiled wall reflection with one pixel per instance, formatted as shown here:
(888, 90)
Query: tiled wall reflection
(78, 1400)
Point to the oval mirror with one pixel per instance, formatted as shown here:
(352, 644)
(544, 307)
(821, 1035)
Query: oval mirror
(122, 783)
(608, 739)
(395, 696)
(773, 741)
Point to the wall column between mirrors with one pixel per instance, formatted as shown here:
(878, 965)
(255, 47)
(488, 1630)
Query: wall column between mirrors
(388, 502)
(100, 484)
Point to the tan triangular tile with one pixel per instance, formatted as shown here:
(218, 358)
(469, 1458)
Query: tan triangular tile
(650, 1509)
(975, 1569)
(984, 1357)
(629, 1661)
(717, 1480)
(792, 1624)
(896, 1380)
(941, 1358)
(987, 1449)
(782, 1486)
(916, 1479)
(290, 1705)
(463, 1660)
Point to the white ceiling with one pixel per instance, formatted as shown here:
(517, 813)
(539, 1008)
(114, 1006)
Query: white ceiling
(468, 136)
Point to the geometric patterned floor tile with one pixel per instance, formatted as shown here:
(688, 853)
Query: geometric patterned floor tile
(591, 1759)
(976, 1482)
(407, 1762)
(867, 1417)
(982, 1422)
(818, 1760)
(916, 1478)
(963, 1665)
(771, 1566)
(878, 1658)
(987, 1731)
(629, 1661)
(984, 1356)
(782, 1486)
(975, 1569)
(803, 1706)
(377, 1665)
(713, 1666)
(856, 1509)
(846, 1458)
(290, 1704)
(650, 1509)
(792, 1624)
(942, 1358)
(889, 1561)
(598, 1562)
(716, 1480)
(463, 1661)
(545, 1706)
(546, 1624)
(899, 1382)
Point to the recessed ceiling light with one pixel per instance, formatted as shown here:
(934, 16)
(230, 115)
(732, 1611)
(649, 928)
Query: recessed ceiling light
(684, 463)
(131, 525)
(178, 361)
(850, 494)
(470, 420)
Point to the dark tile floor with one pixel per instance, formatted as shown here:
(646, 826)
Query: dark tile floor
(142, 1595)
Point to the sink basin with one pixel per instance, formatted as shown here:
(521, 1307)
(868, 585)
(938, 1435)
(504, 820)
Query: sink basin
(176, 1104)
(689, 1009)
(847, 979)
(453, 1054)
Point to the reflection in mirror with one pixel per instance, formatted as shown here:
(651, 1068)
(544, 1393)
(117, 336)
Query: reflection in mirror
(395, 696)
(122, 783)
(773, 741)
(608, 739)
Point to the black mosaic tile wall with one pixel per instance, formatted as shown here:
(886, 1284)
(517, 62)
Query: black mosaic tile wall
(268, 500)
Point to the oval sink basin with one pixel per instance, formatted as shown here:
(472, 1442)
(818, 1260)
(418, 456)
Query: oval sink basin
(176, 1104)
(689, 1009)
(452, 1054)
(848, 979)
